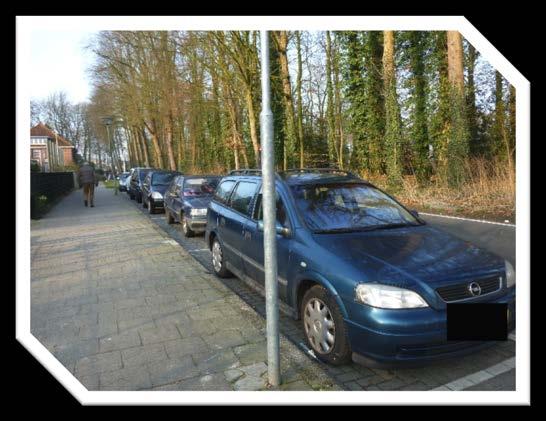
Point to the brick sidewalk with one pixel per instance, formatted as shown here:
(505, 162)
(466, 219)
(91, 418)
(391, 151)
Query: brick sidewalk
(124, 307)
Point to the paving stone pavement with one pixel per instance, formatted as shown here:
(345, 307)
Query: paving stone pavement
(124, 307)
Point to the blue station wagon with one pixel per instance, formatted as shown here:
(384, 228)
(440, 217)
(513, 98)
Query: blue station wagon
(368, 278)
(187, 199)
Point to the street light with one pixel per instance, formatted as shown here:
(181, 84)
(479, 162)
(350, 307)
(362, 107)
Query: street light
(107, 121)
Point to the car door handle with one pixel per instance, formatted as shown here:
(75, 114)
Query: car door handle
(222, 221)
(247, 235)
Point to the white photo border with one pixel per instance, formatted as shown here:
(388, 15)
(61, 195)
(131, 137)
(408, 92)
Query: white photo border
(24, 27)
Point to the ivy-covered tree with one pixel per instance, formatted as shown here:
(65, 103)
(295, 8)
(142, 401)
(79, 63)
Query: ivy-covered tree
(393, 135)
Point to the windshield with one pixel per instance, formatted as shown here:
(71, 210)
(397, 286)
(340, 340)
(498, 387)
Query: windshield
(162, 178)
(200, 186)
(349, 207)
(142, 174)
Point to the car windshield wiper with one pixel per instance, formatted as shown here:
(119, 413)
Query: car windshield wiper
(363, 229)
(340, 230)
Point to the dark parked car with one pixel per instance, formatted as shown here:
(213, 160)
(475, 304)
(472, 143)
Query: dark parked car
(153, 188)
(187, 199)
(368, 278)
(123, 178)
(135, 184)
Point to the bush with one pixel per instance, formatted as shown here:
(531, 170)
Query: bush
(35, 167)
(489, 191)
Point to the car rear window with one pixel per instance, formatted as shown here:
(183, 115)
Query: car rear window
(223, 191)
(162, 179)
(200, 186)
(242, 196)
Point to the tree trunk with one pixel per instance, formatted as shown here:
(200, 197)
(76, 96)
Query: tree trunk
(337, 108)
(512, 120)
(252, 124)
(471, 111)
(169, 142)
(455, 61)
(332, 149)
(457, 148)
(299, 104)
(392, 112)
(291, 135)
(144, 143)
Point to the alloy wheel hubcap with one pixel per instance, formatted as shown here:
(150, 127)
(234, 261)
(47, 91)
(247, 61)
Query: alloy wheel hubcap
(319, 326)
(217, 256)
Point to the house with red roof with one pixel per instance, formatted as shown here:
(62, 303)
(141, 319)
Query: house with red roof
(50, 149)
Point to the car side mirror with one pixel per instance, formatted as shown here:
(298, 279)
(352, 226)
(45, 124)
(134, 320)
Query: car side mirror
(414, 213)
(285, 232)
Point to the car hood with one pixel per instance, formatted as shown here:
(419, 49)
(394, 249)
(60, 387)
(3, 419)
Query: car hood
(423, 253)
(199, 202)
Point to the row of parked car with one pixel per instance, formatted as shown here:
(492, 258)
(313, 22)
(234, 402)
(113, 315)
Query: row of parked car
(369, 279)
(183, 198)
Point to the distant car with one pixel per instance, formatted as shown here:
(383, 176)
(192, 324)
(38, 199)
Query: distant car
(186, 201)
(153, 188)
(134, 186)
(128, 181)
(123, 178)
(368, 278)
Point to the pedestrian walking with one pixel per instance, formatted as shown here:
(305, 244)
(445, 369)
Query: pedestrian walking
(88, 179)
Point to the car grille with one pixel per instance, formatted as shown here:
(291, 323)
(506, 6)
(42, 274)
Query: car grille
(461, 292)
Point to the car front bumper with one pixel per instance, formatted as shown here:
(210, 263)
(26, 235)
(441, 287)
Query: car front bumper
(197, 224)
(412, 337)
(158, 203)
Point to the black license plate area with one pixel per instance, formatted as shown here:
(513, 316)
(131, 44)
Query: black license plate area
(477, 321)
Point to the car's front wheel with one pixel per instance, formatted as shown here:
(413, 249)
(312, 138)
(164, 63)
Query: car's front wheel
(188, 232)
(218, 261)
(168, 216)
(151, 208)
(324, 328)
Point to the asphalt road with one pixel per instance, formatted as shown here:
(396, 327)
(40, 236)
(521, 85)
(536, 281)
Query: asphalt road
(472, 371)
(497, 238)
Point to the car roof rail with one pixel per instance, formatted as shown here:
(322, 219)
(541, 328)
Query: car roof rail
(246, 171)
(331, 170)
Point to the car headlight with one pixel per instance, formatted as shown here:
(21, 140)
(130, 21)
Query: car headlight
(510, 274)
(156, 195)
(386, 296)
(198, 212)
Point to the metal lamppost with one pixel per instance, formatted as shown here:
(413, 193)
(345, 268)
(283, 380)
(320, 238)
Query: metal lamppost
(107, 121)
(269, 215)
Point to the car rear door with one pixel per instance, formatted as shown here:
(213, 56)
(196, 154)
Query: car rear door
(253, 245)
(178, 198)
(233, 219)
(170, 193)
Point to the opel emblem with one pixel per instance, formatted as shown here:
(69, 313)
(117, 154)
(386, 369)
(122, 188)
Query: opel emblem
(474, 289)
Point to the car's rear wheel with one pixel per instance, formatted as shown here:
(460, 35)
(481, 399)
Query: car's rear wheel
(168, 216)
(218, 261)
(188, 232)
(324, 327)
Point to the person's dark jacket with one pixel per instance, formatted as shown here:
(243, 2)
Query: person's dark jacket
(87, 175)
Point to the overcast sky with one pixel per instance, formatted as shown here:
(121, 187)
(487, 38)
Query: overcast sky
(59, 62)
